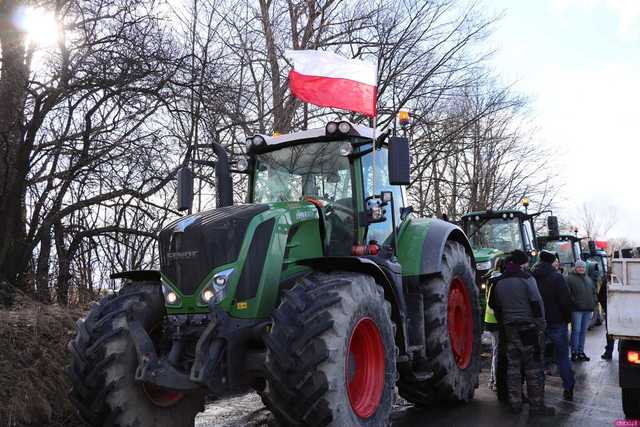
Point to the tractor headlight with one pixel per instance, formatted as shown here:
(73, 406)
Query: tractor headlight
(254, 142)
(486, 265)
(258, 141)
(217, 287)
(345, 149)
(243, 164)
(344, 127)
(331, 127)
(171, 297)
(534, 252)
(207, 295)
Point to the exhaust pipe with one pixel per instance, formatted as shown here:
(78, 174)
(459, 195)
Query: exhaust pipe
(224, 184)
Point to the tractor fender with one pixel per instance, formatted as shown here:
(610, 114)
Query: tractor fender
(138, 275)
(421, 245)
(390, 280)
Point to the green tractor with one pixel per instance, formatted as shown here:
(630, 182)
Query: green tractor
(318, 293)
(566, 246)
(494, 233)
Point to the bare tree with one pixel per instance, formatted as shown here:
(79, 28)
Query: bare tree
(596, 219)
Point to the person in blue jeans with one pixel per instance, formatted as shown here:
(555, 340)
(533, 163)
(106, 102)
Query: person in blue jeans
(557, 312)
(583, 300)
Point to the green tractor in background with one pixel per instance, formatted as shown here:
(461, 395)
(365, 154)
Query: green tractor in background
(566, 246)
(319, 293)
(599, 257)
(494, 233)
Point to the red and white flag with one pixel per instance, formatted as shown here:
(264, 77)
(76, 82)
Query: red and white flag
(329, 80)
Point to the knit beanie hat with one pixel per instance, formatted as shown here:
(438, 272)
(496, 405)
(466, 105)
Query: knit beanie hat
(547, 256)
(518, 257)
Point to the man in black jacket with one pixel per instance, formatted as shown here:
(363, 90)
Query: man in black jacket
(519, 310)
(557, 313)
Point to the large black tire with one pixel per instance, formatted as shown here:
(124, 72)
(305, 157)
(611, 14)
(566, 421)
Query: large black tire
(631, 403)
(104, 361)
(308, 352)
(455, 378)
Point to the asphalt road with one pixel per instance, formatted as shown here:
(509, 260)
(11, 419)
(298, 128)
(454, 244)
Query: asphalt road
(596, 402)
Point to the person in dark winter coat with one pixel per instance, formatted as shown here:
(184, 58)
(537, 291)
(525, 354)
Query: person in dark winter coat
(602, 299)
(519, 310)
(583, 301)
(557, 313)
(491, 323)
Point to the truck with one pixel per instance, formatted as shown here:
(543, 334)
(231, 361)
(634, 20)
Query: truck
(623, 324)
(323, 292)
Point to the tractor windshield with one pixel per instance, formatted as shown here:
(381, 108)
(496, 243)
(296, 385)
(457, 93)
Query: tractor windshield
(563, 249)
(496, 233)
(316, 170)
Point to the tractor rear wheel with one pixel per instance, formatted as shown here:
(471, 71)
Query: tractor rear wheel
(331, 354)
(104, 361)
(452, 329)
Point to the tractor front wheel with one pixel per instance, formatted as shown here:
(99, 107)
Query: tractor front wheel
(104, 361)
(331, 354)
(453, 330)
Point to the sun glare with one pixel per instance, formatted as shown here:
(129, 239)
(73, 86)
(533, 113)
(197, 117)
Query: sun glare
(39, 24)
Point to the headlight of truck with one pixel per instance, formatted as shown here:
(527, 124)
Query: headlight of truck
(484, 265)
(217, 287)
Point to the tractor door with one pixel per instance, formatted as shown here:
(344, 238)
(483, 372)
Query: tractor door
(381, 231)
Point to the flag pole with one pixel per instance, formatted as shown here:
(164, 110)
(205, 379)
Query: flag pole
(373, 155)
(373, 136)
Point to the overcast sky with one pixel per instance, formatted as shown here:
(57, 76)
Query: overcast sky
(578, 61)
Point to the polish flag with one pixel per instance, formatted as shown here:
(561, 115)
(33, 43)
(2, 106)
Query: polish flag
(329, 80)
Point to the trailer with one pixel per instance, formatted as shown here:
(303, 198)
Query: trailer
(623, 323)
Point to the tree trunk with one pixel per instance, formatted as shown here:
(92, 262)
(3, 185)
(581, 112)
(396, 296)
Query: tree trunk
(42, 272)
(14, 154)
(64, 265)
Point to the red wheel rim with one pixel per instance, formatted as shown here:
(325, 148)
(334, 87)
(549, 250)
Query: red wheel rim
(364, 368)
(460, 322)
(160, 396)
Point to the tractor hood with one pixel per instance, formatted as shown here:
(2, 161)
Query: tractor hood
(192, 246)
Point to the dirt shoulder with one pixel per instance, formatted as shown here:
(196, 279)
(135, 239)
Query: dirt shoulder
(33, 355)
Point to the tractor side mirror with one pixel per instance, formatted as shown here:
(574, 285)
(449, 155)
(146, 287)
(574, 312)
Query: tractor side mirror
(185, 189)
(592, 246)
(554, 228)
(399, 161)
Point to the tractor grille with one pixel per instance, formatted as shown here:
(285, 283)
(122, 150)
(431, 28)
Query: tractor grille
(194, 245)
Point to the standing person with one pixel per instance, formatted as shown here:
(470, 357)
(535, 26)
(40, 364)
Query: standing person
(583, 301)
(593, 270)
(602, 298)
(519, 309)
(491, 323)
(557, 312)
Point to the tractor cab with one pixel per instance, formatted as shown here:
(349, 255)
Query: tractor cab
(493, 233)
(334, 168)
(566, 246)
